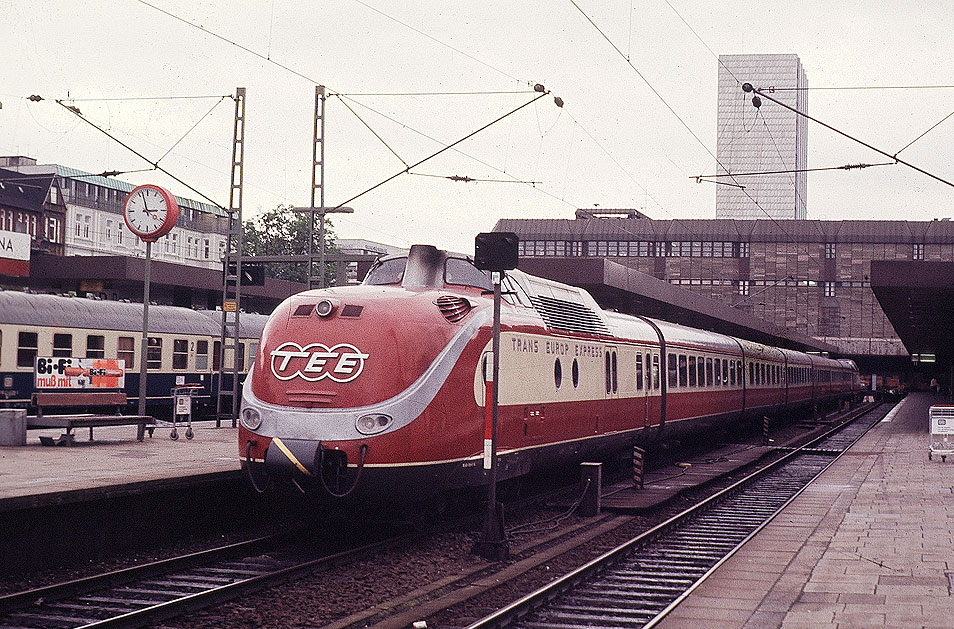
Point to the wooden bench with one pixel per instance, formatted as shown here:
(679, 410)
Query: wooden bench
(116, 400)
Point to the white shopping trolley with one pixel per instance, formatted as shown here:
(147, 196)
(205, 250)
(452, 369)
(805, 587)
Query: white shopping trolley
(942, 430)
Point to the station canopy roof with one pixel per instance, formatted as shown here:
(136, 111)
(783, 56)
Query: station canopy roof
(918, 299)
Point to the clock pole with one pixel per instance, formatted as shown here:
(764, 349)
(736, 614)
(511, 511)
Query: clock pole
(145, 330)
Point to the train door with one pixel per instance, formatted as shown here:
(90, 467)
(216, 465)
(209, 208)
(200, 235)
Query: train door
(611, 380)
(643, 388)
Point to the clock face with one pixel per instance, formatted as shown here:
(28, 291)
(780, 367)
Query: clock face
(150, 212)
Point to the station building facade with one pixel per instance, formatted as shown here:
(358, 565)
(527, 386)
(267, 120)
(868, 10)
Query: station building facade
(89, 221)
(805, 275)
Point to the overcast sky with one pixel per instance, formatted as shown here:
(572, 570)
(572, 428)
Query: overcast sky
(615, 143)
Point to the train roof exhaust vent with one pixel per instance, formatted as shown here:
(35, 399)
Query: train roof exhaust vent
(566, 315)
(453, 308)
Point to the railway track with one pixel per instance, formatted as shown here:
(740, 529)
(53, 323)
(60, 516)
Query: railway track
(640, 581)
(146, 594)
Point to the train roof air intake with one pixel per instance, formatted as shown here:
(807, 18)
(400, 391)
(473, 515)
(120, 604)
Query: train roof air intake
(566, 315)
(453, 308)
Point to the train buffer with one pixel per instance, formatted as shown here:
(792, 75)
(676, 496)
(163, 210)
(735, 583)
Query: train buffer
(114, 400)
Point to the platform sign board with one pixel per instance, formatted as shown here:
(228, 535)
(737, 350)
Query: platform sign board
(79, 373)
(14, 253)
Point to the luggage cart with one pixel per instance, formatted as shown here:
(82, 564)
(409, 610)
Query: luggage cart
(183, 395)
(942, 431)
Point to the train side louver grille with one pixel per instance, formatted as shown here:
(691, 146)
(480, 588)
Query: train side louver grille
(565, 315)
(453, 308)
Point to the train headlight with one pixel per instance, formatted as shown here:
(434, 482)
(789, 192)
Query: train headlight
(372, 423)
(324, 307)
(251, 418)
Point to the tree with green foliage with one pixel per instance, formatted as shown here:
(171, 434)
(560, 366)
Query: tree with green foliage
(283, 231)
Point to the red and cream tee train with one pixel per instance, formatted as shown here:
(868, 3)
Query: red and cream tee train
(380, 387)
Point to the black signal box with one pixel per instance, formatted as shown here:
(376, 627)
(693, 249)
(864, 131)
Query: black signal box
(496, 251)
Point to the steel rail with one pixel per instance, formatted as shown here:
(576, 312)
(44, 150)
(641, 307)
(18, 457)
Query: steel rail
(664, 587)
(143, 595)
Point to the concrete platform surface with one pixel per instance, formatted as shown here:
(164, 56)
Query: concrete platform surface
(869, 544)
(32, 474)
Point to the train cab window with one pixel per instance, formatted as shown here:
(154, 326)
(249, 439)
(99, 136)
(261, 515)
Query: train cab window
(709, 378)
(673, 371)
(180, 354)
(655, 372)
(639, 372)
(95, 346)
(62, 344)
(692, 371)
(126, 351)
(201, 355)
(26, 349)
(683, 371)
(386, 272)
(464, 273)
(512, 293)
(154, 353)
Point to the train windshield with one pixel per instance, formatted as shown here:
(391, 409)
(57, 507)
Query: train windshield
(464, 273)
(387, 272)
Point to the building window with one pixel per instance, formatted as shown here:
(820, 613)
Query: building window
(180, 354)
(207, 249)
(95, 346)
(86, 226)
(829, 288)
(830, 250)
(26, 349)
(119, 234)
(154, 353)
(63, 345)
(109, 230)
(744, 287)
(918, 252)
(126, 351)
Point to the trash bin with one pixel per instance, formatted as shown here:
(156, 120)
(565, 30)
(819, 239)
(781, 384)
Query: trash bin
(13, 426)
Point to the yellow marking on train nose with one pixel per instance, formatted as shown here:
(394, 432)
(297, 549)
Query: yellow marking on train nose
(291, 457)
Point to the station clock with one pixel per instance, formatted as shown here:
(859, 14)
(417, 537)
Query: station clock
(150, 212)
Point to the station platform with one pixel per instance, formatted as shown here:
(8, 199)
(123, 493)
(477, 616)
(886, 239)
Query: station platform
(869, 544)
(114, 464)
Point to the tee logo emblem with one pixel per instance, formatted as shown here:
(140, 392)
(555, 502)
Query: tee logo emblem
(342, 362)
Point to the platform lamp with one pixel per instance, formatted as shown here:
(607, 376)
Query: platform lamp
(495, 252)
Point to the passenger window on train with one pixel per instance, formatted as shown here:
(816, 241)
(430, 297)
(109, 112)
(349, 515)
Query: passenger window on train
(692, 371)
(575, 373)
(718, 372)
(673, 371)
(709, 372)
(180, 354)
(656, 372)
(240, 357)
(63, 345)
(26, 349)
(683, 371)
(95, 346)
(639, 372)
(154, 353)
(615, 374)
(201, 355)
(126, 351)
(557, 373)
(606, 371)
(216, 355)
